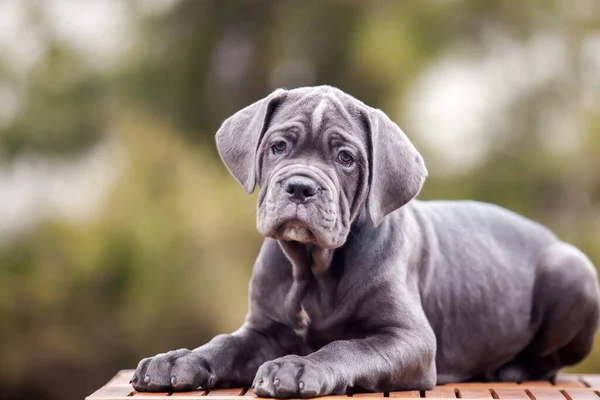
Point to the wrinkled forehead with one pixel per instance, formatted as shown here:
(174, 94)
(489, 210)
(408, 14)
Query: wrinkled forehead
(319, 112)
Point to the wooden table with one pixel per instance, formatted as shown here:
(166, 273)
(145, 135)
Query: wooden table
(567, 387)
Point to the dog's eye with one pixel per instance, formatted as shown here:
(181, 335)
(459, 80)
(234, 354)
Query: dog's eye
(345, 158)
(279, 147)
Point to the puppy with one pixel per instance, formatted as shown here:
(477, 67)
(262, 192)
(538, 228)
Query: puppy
(359, 287)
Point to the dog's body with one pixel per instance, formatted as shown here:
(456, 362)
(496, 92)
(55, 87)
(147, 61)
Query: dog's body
(359, 288)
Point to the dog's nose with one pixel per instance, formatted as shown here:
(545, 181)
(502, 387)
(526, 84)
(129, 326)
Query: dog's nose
(300, 189)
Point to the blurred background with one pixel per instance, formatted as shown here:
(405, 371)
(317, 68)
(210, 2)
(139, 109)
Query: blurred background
(117, 216)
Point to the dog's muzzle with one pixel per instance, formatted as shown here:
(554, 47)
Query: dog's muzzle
(300, 204)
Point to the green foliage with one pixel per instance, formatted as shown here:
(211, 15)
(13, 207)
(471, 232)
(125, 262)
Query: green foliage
(145, 276)
(64, 108)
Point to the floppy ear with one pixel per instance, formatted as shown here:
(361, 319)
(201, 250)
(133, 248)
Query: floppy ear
(239, 136)
(397, 170)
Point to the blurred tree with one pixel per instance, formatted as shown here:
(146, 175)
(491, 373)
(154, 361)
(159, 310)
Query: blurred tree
(63, 102)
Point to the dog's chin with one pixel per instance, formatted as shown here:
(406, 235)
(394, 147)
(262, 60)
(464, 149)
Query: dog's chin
(295, 231)
(296, 224)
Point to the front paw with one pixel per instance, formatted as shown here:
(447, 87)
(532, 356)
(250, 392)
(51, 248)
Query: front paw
(293, 376)
(177, 370)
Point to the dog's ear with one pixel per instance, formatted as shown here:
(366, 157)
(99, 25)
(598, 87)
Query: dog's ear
(397, 170)
(239, 136)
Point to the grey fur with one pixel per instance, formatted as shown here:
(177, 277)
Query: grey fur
(359, 287)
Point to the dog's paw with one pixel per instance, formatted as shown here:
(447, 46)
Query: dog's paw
(292, 376)
(177, 370)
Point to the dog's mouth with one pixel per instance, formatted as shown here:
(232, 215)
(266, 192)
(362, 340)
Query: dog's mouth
(295, 230)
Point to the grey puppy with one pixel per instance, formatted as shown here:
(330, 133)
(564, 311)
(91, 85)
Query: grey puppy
(359, 287)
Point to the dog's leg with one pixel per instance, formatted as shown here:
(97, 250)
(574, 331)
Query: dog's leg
(566, 311)
(232, 360)
(391, 360)
(225, 361)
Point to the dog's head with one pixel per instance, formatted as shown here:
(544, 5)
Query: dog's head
(320, 157)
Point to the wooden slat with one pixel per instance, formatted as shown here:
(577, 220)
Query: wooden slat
(112, 393)
(510, 385)
(517, 394)
(568, 378)
(473, 393)
(122, 378)
(196, 394)
(528, 384)
(409, 394)
(493, 385)
(441, 393)
(546, 394)
(581, 395)
(592, 381)
(226, 392)
(475, 385)
(250, 393)
(566, 387)
(570, 382)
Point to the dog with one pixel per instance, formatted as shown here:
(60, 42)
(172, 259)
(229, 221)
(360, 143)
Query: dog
(360, 287)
